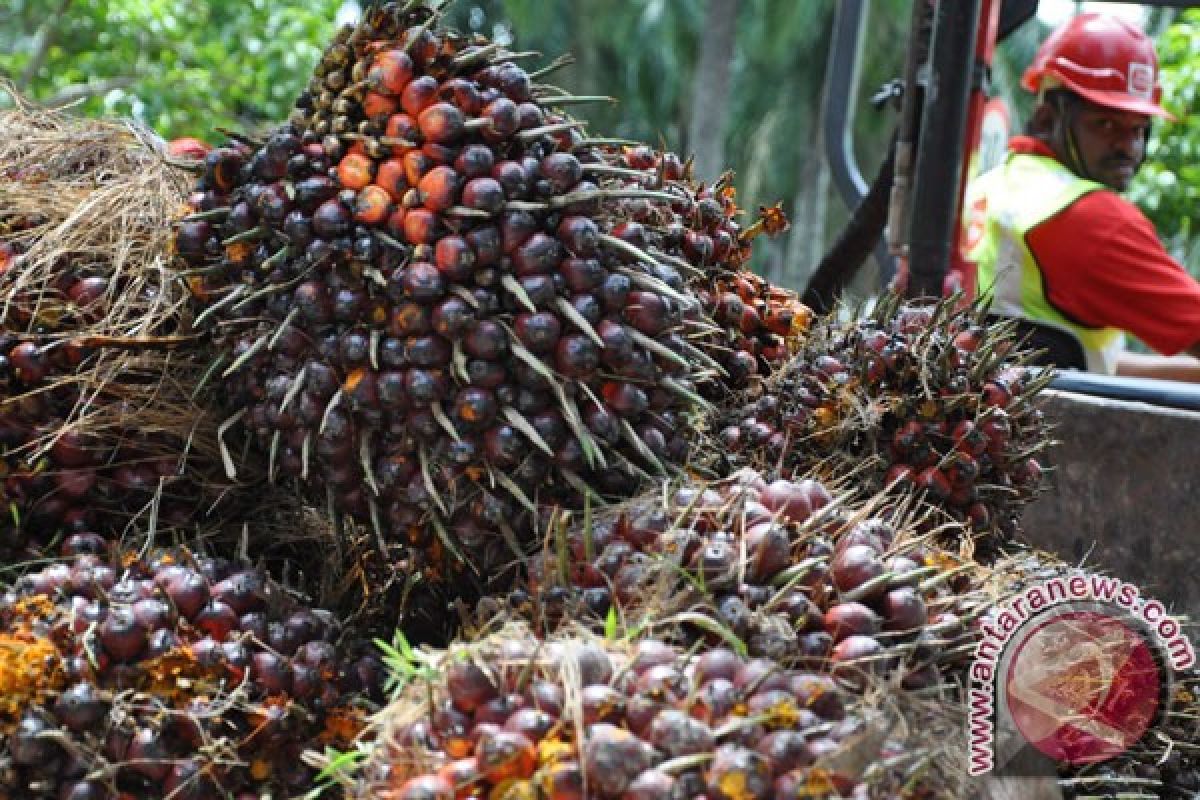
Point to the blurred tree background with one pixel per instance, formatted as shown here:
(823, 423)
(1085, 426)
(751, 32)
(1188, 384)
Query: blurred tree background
(736, 83)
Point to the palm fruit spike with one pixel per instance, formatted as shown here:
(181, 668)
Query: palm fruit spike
(95, 418)
(577, 716)
(169, 676)
(783, 569)
(435, 311)
(910, 399)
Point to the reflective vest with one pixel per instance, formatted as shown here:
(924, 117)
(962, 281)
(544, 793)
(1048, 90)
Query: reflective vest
(1003, 205)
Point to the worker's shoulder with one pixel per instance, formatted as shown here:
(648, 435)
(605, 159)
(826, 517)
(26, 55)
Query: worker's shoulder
(1103, 211)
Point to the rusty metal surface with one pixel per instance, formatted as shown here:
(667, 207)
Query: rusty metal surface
(1124, 496)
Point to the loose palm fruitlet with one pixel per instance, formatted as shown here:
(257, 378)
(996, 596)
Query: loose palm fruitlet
(580, 717)
(781, 568)
(926, 399)
(442, 305)
(168, 676)
(95, 413)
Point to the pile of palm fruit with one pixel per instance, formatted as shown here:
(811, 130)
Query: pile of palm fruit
(635, 718)
(905, 399)
(518, 388)
(168, 675)
(441, 305)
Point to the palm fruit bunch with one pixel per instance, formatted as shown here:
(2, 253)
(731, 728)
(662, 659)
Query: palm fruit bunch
(168, 675)
(440, 304)
(757, 326)
(577, 717)
(909, 398)
(783, 569)
(95, 413)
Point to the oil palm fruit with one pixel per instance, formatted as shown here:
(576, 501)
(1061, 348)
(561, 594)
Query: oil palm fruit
(441, 304)
(578, 716)
(785, 569)
(169, 675)
(925, 400)
(95, 415)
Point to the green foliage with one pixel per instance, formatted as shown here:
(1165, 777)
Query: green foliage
(1168, 186)
(182, 67)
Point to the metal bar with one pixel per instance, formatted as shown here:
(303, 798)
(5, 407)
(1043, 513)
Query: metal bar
(842, 74)
(940, 151)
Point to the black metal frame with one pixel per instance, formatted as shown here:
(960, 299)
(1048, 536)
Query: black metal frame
(842, 74)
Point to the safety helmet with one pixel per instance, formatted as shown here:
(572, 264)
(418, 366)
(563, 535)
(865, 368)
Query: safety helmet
(1105, 60)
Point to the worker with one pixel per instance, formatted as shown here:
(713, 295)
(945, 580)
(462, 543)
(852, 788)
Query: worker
(1054, 242)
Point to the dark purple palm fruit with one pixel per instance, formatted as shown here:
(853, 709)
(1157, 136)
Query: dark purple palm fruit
(643, 719)
(782, 568)
(423, 336)
(70, 664)
(958, 422)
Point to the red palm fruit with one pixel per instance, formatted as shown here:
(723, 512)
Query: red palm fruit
(613, 758)
(632, 232)
(390, 71)
(787, 499)
(416, 164)
(121, 635)
(854, 566)
(579, 235)
(148, 755)
(222, 165)
(469, 686)
(376, 104)
(582, 275)
(418, 95)
(462, 93)
(672, 167)
(904, 610)
(648, 312)
(538, 332)
(576, 355)
(855, 656)
(505, 756)
(504, 118)
(512, 177)
(441, 123)
(487, 245)
(392, 178)
(475, 161)
(851, 619)
(216, 619)
(87, 295)
(355, 171)
(423, 282)
(561, 780)
(373, 205)
(454, 258)
(996, 394)
(439, 188)
(484, 194)
(515, 229)
(402, 126)
(934, 481)
(900, 477)
(539, 255)
(28, 363)
(562, 170)
(421, 226)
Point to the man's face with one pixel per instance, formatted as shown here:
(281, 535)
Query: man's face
(1111, 143)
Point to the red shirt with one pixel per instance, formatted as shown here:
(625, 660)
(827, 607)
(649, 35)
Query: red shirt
(1103, 266)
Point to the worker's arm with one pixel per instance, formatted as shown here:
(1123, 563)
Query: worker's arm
(1168, 368)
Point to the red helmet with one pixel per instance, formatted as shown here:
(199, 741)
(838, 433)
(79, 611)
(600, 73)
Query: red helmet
(1105, 60)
